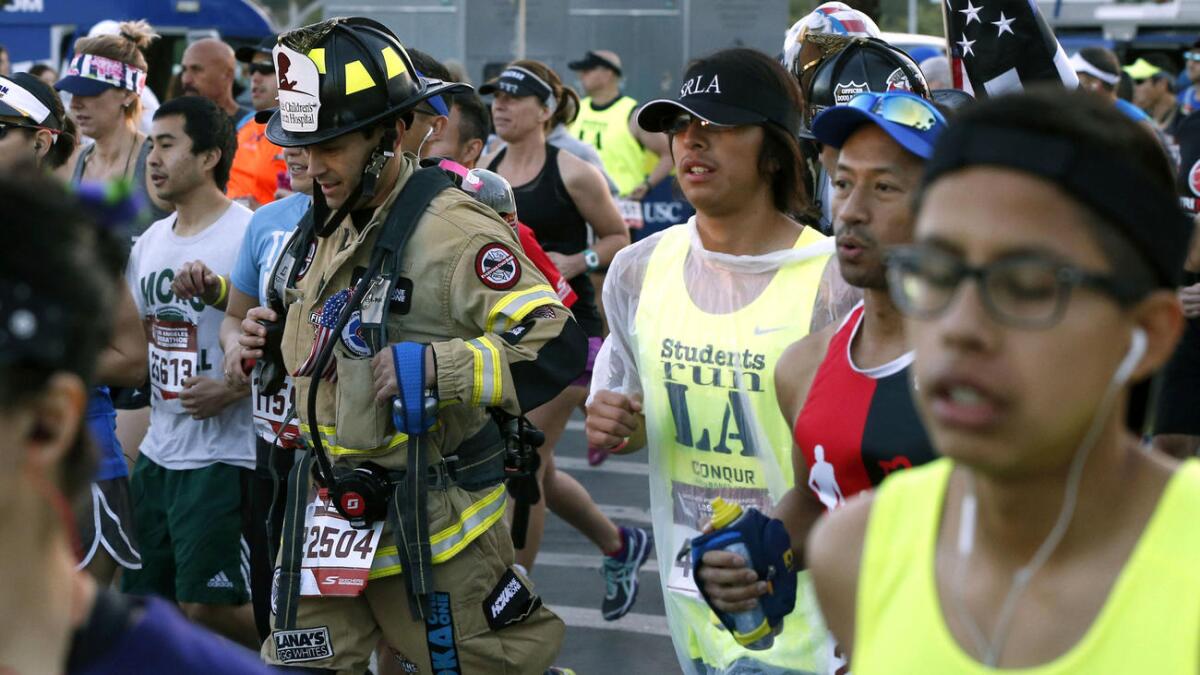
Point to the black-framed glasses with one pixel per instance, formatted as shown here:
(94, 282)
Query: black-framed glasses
(1024, 291)
(683, 120)
(261, 68)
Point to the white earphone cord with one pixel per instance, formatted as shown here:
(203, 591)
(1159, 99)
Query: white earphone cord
(991, 649)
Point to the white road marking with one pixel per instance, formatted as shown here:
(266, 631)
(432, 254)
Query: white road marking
(582, 561)
(582, 617)
(625, 513)
(609, 465)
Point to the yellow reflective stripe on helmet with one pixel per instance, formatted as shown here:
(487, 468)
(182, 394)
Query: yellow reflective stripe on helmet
(518, 304)
(449, 542)
(357, 78)
(488, 381)
(318, 57)
(395, 64)
(329, 440)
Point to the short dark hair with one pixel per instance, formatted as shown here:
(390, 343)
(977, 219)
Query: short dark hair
(429, 66)
(781, 160)
(209, 128)
(1167, 64)
(1091, 122)
(473, 121)
(66, 276)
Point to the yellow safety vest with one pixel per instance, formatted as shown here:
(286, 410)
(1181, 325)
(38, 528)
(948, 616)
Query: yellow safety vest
(1148, 624)
(709, 381)
(607, 130)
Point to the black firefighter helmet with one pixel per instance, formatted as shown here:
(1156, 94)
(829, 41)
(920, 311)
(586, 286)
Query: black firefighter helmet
(341, 75)
(864, 65)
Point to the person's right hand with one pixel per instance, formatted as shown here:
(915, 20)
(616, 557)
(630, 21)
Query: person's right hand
(1190, 297)
(611, 419)
(730, 585)
(254, 334)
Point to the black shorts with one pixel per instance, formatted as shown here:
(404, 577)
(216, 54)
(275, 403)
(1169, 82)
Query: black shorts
(105, 521)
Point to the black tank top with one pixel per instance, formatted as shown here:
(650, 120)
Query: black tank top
(546, 207)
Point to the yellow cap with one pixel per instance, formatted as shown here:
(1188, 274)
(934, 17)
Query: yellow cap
(724, 512)
(1142, 69)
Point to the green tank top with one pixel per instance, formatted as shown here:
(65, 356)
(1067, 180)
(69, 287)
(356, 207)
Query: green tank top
(715, 430)
(1150, 622)
(607, 130)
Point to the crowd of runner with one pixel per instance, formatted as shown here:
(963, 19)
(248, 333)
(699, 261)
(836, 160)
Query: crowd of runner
(284, 372)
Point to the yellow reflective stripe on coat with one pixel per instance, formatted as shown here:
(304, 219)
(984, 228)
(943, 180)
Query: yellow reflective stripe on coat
(329, 440)
(488, 381)
(449, 542)
(518, 304)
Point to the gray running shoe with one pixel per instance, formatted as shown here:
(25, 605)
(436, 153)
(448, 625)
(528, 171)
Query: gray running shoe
(621, 576)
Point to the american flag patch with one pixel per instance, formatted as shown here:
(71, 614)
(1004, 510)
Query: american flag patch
(326, 320)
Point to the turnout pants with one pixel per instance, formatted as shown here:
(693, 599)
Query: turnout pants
(341, 633)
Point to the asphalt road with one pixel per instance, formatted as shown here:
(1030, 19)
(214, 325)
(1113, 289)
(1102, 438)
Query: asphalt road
(567, 572)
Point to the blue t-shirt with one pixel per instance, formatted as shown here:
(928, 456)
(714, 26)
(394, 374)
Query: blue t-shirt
(1189, 100)
(102, 422)
(162, 641)
(265, 236)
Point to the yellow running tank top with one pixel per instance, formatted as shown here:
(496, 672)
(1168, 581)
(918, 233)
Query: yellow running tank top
(714, 429)
(1150, 622)
(607, 130)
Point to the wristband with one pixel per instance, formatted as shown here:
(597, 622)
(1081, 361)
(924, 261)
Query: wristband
(223, 293)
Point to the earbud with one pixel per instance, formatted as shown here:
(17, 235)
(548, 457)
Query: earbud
(421, 147)
(1137, 349)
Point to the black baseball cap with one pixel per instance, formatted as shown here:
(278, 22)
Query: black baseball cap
(728, 94)
(26, 96)
(595, 60)
(265, 46)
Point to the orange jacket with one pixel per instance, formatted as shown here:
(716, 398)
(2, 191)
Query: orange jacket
(256, 166)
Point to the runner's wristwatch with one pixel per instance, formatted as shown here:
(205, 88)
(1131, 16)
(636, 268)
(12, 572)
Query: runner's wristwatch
(591, 259)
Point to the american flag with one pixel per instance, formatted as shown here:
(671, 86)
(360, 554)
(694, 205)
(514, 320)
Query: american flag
(1000, 46)
(326, 320)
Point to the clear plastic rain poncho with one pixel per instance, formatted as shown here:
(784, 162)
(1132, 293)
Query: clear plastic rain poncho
(697, 335)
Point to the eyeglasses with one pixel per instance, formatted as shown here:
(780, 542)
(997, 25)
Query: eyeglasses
(261, 68)
(908, 111)
(1192, 56)
(683, 120)
(5, 127)
(1023, 291)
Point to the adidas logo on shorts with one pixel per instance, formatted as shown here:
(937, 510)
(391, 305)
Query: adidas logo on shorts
(220, 581)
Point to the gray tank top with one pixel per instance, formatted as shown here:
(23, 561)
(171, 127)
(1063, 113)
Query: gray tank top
(151, 213)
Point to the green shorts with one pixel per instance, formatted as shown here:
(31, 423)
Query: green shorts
(189, 527)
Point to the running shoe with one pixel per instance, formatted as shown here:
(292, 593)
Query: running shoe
(596, 456)
(621, 574)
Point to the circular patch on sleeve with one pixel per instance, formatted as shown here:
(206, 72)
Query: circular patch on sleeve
(1194, 178)
(497, 267)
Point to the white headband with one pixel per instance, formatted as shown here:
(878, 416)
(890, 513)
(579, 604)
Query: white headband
(1082, 65)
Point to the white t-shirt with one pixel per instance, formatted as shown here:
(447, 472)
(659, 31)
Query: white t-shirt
(184, 342)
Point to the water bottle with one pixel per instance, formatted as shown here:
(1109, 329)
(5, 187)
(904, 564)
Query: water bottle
(751, 628)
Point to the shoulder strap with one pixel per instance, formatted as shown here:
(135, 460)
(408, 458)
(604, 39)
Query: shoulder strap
(497, 159)
(401, 222)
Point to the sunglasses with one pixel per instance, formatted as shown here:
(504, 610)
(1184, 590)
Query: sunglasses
(909, 111)
(1025, 291)
(261, 68)
(1192, 56)
(5, 127)
(683, 120)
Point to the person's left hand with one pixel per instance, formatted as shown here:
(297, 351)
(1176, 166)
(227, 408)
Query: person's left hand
(205, 397)
(570, 266)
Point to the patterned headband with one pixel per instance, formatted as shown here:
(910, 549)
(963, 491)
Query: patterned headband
(109, 71)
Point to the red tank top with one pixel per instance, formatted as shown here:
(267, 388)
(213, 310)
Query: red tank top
(857, 426)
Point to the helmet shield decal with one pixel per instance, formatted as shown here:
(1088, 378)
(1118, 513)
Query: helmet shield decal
(299, 90)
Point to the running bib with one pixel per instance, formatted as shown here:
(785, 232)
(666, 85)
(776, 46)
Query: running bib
(631, 213)
(692, 508)
(173, 355)
(271, 414)
(337, 557)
